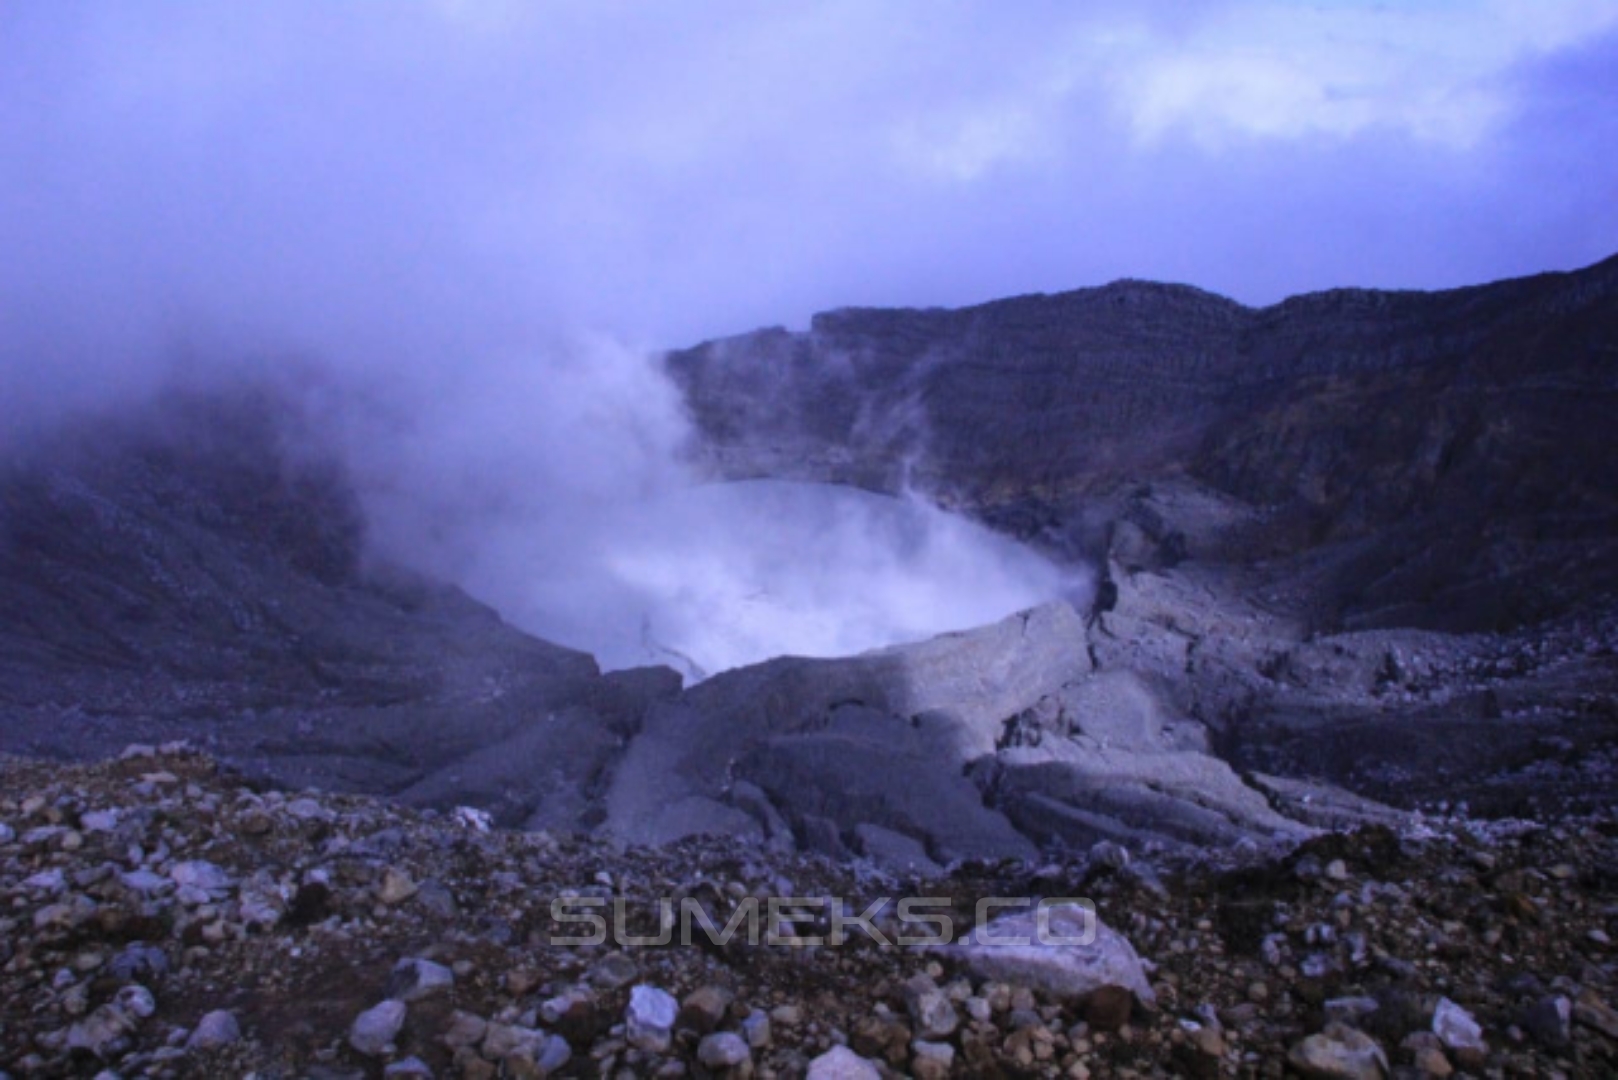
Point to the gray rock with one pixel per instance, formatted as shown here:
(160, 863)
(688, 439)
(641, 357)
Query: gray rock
(306, 809)
(50, 882)
(704, 1008)
(144, 881)
(465, 1029)
(1350, 1010)
(139, 961)
(1107, 854)
(261, 905)
(375, 1029)
(99, 821)
(894, 851)
(1592, 1012)
(435, 898)
(877, 739)
(1550, 1021)
(411, 1068)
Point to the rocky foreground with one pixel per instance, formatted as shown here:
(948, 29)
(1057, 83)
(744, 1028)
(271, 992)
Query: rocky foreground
(162, 917)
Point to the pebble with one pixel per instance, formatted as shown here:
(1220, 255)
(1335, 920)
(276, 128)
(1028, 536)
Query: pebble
(931, 1060)
(841, 1063)
(1592, 1012)
(414, 978)
(465, 1029)
(395, 887)
(704, 1008)
(103, 1033)
(136, 1000)
(931, 1010)
(649, 1019)
(613, 971)
(1457, 1030)
(375, 1029)
(1549, 1020)
(756, 1029)
(1339, 1053)
(723, 1050)
(217, 1028)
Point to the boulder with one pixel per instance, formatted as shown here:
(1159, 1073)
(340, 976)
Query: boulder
(1064, 950)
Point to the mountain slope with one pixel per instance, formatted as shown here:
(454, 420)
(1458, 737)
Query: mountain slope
(189, 571)
(1448, 454)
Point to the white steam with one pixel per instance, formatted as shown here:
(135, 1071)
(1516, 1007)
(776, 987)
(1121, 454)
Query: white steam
(553, 489)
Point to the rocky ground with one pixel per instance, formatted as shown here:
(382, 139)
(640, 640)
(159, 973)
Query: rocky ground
(161, 916)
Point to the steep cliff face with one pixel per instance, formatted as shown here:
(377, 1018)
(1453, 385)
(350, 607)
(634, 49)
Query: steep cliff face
(1438, 459)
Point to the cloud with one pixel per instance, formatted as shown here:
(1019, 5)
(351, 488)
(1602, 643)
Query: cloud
(1433, 72)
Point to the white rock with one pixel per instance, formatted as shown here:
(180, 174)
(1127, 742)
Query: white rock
(99, 821)
(102, 1033)
(555, 1053)
(202, 876)
(396, 886)
(722, 1050)
(136, 1000)
(46, 881)
(841, 1063)
(261, 905)
(309, 810)
(931, 1010)
(932, 1059)
(470, 817)
(375, 1028)
(650, 1018)
(756, 1029)
(1455, 1027)
(501, 1041)
(217, 1028)
(414, 978)
(1339, 1053)
(1078, 956)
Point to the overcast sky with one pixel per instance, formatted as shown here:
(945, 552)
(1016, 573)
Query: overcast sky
(458, 173)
